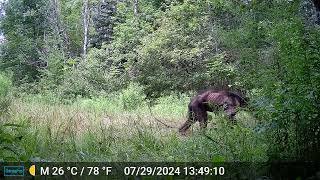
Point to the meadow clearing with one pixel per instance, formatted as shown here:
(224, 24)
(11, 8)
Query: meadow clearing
(100, 129)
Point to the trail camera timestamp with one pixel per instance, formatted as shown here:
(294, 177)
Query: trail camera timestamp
(136, 170)
(204, 171)
(173, 171)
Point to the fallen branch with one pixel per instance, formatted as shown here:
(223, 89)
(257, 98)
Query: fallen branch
(211, 139)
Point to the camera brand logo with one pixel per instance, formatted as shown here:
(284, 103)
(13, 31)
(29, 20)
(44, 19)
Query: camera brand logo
(13, 170)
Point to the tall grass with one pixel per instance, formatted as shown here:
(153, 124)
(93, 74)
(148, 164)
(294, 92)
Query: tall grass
(10, 134)
(102, 129)
(5, 98)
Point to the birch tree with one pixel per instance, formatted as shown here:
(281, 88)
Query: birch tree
(135, 7)
(85, 26)
(55, 18)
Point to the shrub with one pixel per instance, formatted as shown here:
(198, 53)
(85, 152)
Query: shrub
(91, 77)
(132, 97)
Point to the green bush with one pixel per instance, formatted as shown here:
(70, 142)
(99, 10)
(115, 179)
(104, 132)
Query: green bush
(46, 97)
(132, 97)
(91, 78)
(5, 87)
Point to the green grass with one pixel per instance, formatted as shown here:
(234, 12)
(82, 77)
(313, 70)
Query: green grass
(100, 129)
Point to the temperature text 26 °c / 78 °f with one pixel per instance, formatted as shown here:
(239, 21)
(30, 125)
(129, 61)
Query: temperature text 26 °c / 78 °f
(75, 171)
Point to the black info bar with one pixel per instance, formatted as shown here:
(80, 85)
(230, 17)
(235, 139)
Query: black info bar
(160, 170)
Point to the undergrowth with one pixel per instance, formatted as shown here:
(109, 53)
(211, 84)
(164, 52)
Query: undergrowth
(102, 129)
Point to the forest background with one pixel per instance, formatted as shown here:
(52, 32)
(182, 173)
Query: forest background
(87, 80)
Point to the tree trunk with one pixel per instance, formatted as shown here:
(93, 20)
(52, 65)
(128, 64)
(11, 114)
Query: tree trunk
(135, 7)
(60, 31)
(317, 5)
(85, 26)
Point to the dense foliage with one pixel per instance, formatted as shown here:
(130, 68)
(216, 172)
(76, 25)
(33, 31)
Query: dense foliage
(268, 49)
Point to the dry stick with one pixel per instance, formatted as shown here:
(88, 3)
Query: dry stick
(138, 127)
(168, 126)
(210, 138)
(65, 130)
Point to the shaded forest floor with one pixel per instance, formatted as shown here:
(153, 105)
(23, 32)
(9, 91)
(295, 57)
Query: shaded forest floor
(100, 129)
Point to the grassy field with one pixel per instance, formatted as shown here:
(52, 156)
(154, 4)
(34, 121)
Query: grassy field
(101, 129)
